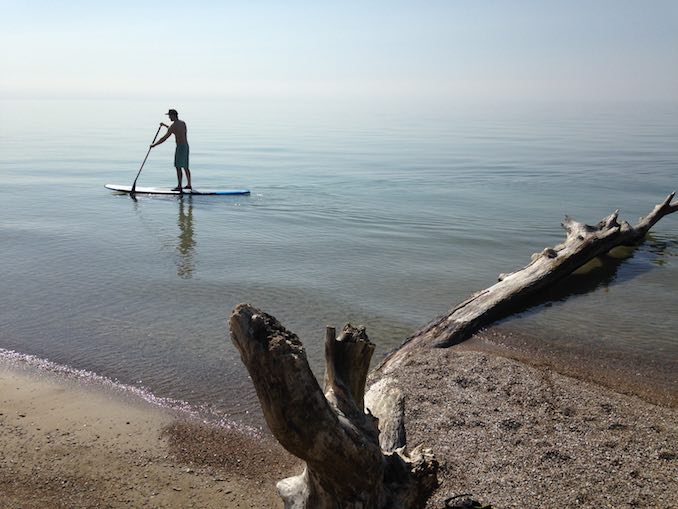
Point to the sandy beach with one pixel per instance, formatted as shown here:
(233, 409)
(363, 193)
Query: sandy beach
(66, 445)
(510, 433)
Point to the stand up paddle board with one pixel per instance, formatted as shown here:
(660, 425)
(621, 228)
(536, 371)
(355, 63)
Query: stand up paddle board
(167, 190)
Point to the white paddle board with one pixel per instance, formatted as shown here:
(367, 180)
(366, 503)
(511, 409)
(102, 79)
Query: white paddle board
(168, 190)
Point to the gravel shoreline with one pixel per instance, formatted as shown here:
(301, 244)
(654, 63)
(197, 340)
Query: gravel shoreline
(516, 435)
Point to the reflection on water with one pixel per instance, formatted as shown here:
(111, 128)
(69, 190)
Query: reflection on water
(185, 264)
(662, 248)
(183, 244)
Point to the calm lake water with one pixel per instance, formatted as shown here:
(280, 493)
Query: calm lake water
(380, 217)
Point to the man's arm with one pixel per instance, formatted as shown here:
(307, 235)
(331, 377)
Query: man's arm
(170, 131)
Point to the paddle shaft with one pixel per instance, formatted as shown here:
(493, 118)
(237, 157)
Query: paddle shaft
(144, 162)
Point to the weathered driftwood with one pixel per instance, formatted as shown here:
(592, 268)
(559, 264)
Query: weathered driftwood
(582, 244)
(357, 459)
(330, 430)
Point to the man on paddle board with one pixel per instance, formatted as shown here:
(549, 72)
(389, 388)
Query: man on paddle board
(178, 129)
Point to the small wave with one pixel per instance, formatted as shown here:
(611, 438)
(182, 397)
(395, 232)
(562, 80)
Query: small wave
(203, 413)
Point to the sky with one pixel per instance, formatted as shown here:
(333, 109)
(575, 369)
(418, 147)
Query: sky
(465, 50)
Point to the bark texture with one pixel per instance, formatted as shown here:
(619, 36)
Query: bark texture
(330, 430)
(582, 244)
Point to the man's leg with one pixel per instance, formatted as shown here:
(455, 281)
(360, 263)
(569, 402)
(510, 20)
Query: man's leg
(188, 179)
(179, 178)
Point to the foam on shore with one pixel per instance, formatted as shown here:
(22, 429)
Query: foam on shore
(70, 438)
(203, 412)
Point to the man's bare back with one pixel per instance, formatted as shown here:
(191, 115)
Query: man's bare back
(178, 129)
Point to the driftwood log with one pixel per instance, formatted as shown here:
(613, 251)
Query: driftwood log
(353, 443)
(582, 244)
(348, 464)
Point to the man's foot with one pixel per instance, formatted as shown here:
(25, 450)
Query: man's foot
(178, 188)
(188, 187)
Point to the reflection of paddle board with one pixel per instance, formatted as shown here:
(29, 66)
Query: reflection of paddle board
(167, 190)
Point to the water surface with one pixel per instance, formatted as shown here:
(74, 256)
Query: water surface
(382, 218)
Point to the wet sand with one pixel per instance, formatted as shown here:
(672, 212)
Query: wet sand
(653, 380)
(66, 445)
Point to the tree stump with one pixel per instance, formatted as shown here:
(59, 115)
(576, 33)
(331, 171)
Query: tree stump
(346, 465)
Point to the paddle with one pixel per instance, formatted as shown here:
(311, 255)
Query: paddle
(134, 186)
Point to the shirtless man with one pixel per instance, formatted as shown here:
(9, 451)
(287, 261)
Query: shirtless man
(178, 129)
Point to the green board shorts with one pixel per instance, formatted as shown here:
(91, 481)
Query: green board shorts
(181, 156)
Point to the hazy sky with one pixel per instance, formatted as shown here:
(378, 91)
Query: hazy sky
(440, 50)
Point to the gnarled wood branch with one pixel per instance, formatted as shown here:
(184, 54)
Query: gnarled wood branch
(330, 431)
(582, 244)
